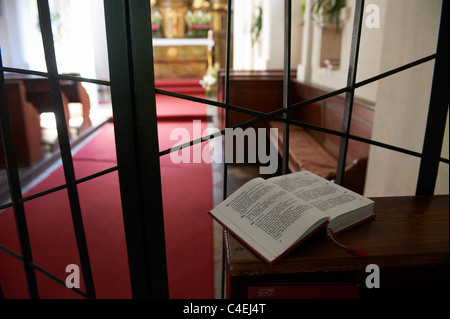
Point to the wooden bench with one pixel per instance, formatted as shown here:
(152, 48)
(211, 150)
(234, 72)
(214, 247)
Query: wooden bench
(305, 153)
(37, 92)
(317, 151)
(25, 126)
(309, 150)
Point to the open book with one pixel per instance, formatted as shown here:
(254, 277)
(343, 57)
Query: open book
(273, 216)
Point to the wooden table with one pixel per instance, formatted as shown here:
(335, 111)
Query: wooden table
(408, 240)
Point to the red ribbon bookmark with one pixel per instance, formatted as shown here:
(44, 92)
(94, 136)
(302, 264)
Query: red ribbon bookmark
(359, 252)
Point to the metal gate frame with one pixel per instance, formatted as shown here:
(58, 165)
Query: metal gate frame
(133, 91)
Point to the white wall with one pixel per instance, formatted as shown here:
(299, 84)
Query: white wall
(369, 55)
(268, 53)
(409, 33)
(81, 47)
(13, 32)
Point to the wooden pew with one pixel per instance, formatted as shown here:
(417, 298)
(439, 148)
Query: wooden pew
(309, 150)
(37, 92)
(25, 124)
(328, 114)
(28, 96)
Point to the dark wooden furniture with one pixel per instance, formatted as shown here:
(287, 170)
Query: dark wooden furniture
(255, 90)
(408, 240)
(28, 96)
(25, 124)
(317, 151)
(37, 92)
(308, 149)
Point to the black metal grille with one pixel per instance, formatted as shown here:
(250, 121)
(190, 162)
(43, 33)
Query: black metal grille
(133, 96)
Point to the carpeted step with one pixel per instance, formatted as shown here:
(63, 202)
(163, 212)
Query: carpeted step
(183, 86)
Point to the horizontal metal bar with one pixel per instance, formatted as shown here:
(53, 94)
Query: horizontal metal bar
(41, 270)
(189, 97)
(43, 193)
(64, 186)
(215, 103)
(317, 99)
(394, 71)
(249, 111)
(59, 280)
(294, 106)
(82, 79)
(384, 145)
(23, 71)
(302, 125)
(98, 174)
(4, 206)
(60, 76)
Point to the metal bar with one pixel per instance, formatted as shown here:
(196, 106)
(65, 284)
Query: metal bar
(349, 96)
(43, 193)
(41, 270)
(227, 90)
(437, 112)
(318, 98)
(303, 125)
(130, 55)
(258, 114)
(22, 71)
(64, 144)
(82, 79)
(61, 76)
(225, 106)
(296, 105)
(61, 187)
(15, 189)
(395, 71)
(249, 111)
(227, 93)
(3, 206)
(286, 80)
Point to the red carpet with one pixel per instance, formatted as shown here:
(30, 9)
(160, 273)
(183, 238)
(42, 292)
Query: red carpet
(187, 197)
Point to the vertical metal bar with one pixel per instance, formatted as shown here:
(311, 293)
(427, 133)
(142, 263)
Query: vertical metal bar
(437, 112)
(15, 189)
(64, 144)
(130, 53)
(227, 92)
(349, 96)
(286, 80)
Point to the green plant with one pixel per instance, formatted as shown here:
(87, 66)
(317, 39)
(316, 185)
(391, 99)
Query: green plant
(328, 11)
(256, 27)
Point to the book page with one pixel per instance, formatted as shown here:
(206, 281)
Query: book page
(332, 199)
(266, 216)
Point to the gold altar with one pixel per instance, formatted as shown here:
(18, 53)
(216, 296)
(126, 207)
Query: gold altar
(188, 37)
